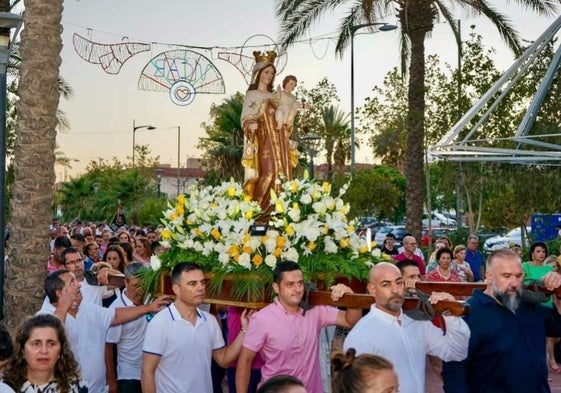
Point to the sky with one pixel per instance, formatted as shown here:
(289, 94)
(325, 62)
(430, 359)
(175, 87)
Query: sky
(104, 106)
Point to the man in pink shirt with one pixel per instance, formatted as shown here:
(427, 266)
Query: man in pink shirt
(287, 338)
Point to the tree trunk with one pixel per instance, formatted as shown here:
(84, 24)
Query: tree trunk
(40, 47)
(417, 19)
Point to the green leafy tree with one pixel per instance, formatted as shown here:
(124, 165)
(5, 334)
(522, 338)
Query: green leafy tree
(379, 191)
(417, 20)
(223, 147)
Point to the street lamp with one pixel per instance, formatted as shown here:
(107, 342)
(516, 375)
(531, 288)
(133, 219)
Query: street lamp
(8, 21)
(134, 128)
(158, 173)
(310, 141)
(383, 27)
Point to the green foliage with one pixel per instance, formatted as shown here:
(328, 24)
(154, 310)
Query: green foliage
(379, 191)
(490, 194)
(96, 194)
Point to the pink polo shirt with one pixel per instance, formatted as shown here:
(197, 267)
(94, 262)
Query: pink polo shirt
(289, 343)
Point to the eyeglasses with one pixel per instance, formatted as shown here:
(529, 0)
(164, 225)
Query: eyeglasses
(74, 262)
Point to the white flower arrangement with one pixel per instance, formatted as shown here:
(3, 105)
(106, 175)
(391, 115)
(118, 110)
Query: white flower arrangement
(211, 226)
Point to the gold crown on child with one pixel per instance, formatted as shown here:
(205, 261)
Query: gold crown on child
(265, 57)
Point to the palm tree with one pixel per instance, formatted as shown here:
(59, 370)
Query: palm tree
(417, 18)
(40, 47)
(224, 145)
(335, 133)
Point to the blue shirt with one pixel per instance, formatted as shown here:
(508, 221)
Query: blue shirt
(506, 350)
(475, 260)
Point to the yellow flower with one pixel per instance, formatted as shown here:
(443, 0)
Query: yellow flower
(350, 229)
(215, 233)
(315, 195)
(246, 238)
(249, 214)
(233, 250)
(231, 192)
(296, 206)
(325, 229)
(189, 222)
(247, 249)
(257, 259)
(181, 199)
(312, 246)
(293, 186)
(198, 232)
(326, 187)
(331, 206)
(344, 243)
(274, 196)
(386, 257)
(166, 233)
(179, 209)
(281, 241)
(173, 216)
(289, 230)
(246, 198)
(277, 252)
(363, 249)
(279, 206)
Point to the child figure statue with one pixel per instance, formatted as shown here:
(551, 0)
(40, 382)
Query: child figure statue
(287, 104)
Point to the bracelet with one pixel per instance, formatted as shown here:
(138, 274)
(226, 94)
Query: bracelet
(244, 330)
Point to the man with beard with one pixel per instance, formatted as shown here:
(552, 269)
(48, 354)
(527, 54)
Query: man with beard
(507, 344)
(388, 332)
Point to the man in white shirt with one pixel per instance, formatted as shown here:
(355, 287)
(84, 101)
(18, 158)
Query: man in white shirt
(128, 337)
(387, 332)
(180, 341)
(73, 261)
(87, 324)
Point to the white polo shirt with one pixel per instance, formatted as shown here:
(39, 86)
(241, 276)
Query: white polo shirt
(129, 338)
(94, 293)
(185, 350)
(86, 335)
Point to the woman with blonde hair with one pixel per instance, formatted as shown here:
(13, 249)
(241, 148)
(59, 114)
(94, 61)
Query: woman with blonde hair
(460, 263)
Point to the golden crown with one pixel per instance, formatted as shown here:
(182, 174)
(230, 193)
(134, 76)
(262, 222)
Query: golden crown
(267, 57)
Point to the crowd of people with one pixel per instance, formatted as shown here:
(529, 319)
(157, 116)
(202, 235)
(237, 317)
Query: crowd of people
(91, 336)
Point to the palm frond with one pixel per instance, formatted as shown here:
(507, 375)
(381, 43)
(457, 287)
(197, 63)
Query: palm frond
(502, 23)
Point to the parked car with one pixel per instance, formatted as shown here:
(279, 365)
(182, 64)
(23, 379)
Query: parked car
(511, 238)
(438, 220)
(397, 230)
(431, 236)
(374, 228)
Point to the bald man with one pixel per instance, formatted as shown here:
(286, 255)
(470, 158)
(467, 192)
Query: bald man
(507, 344)
(387, 332)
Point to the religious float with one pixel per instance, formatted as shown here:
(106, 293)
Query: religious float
(221, 228)
(239, 233)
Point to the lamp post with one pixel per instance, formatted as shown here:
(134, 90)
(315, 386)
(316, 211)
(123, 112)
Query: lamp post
(178, 155)
(8, 21)
(134, 128)
(309, 141)
(383, 27)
